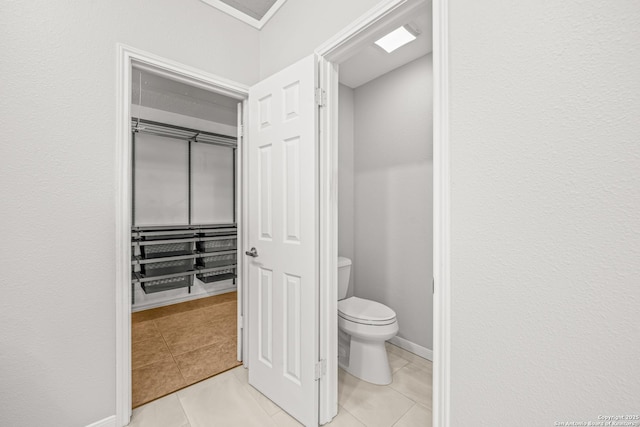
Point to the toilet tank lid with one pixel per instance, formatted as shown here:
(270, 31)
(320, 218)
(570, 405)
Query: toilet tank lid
(343, 262)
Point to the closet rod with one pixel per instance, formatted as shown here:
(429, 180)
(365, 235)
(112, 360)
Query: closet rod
(182, 227)
(140, 234)
(179, 132)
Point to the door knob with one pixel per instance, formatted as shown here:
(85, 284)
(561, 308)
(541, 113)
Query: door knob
(253, 253)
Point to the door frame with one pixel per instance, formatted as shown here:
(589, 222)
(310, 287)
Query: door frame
(127, 57)
(335, 50)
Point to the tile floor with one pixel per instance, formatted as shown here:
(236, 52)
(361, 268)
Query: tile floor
(175, 346)
(228, 400)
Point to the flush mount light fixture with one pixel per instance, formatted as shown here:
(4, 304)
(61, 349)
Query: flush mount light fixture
(397, 38)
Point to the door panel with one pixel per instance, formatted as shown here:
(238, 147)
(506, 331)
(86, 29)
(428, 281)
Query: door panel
(283, 201)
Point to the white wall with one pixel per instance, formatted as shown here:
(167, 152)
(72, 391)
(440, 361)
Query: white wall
(57, 181)
(162, 182)
(162, 175)
(393, 196)
(300, 26)
(346, 202)
(545, 101)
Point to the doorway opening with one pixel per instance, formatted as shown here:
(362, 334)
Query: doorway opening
(180, 228)
(184, 235)
(278, 320)
(378, 171)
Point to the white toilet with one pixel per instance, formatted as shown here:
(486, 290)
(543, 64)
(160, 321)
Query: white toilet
(363, 326)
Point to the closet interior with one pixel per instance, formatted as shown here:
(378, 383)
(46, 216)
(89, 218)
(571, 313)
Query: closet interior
(168, 254)
(184, 234)
(184, 198)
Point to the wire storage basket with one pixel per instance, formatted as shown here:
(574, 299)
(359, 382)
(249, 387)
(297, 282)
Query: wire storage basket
(217, 276)
(225, 243)
(167, 250)
(217, 260)
(166, 267)
(167, 284)
(168, 235)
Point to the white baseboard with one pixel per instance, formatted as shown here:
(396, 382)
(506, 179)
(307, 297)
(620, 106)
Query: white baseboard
(412, 347)
(107, 422)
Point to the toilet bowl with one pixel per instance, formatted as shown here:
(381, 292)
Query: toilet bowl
(364, 327)
(368, 324)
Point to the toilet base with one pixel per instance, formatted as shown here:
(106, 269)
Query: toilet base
(368, 361)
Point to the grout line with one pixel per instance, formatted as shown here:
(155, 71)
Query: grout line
(399, 391)
(286, 415)
(340, 407)
(256, 399)
(425, 406)
(403, 415)
(391, 388)
(189, 383)
(173, 356)
(149, 363)
(184, 410)
(403, 359)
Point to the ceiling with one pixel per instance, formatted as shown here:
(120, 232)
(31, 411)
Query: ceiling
(372, 61)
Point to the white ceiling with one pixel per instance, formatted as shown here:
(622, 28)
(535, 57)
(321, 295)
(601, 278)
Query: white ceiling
(373, 61)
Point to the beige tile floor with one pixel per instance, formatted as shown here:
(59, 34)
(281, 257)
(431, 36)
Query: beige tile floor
(228, 400)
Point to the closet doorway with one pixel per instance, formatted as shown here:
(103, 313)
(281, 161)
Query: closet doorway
(183, 195)
(183, 236)
(280, 192)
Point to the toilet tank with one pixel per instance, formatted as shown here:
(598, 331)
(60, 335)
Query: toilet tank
(344, 272)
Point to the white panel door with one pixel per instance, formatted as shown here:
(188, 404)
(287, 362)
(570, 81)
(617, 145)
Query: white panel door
(283, 205)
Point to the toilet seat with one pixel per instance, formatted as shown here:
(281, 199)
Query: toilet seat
(365, 312)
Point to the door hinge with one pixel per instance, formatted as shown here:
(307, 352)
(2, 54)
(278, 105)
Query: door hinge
(321, 369)
(241, 322)
(240, 131)
(321, 97)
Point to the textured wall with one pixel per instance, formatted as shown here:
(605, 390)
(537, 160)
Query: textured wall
(300, 26)
(394, 195)
(57, 181)
(545, 102)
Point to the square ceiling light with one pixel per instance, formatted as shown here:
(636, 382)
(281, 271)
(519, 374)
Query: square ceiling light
(396, 38)
(254, 12)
